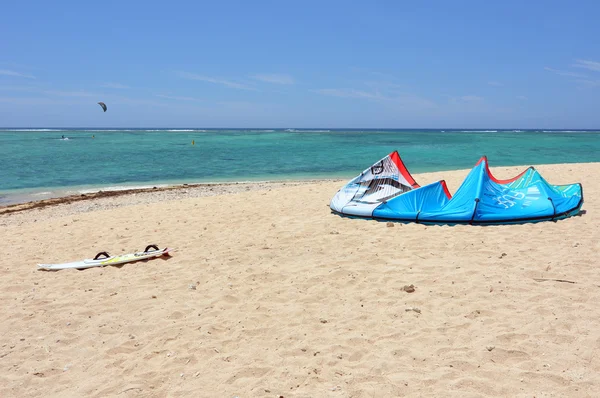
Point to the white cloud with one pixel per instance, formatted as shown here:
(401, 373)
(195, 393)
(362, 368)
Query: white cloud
(33, 101)
(397, 101)
(137, 101)
(563, 73)
(177, 98)
(349, 93)
(494, 83)
(413, 102)
(274, 78)
(590, 65)
(226, 83)
(467, 98)
(589, 83)
(7, 72)
(115, 85)
(18, 88)
(68, 93)
(385, 86)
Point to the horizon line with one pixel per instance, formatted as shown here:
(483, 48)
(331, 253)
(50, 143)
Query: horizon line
(293, 128)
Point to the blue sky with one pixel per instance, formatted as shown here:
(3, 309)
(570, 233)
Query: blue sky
(378, 64)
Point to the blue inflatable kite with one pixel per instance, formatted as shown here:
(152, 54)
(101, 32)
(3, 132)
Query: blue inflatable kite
(387, 191)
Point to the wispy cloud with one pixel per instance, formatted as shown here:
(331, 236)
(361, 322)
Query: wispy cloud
(467, 98)
(68, 93)
(385, 86)
(137, 101)
(350, 93)
(397, 101)
(585, 64)
(53, 93)
(6, 72)
(226, 83)
(384, 89)
(589, 83)
(565, 73)
(496, 84)
(33, 101)
(274, 78)
(115, 85)
(176, 98)
(19, 88)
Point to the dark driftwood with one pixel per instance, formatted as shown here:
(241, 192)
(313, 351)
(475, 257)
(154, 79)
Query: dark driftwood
(549, 279)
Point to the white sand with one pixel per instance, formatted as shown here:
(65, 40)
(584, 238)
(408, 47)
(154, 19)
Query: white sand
(293, 301)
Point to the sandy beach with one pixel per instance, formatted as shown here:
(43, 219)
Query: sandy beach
(270, 295)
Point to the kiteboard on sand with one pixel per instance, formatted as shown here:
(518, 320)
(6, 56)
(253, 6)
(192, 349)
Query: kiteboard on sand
(103, 258)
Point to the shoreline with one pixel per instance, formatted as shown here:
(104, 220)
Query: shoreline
(145, 195)
(90, 193)
(23, 196)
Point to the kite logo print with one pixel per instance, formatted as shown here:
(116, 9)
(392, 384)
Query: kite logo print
(379, 190)
(508, 200)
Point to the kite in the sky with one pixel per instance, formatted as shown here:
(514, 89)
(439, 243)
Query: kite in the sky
(103, 105)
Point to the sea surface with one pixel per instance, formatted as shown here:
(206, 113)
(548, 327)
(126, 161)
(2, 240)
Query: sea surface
(38, 163)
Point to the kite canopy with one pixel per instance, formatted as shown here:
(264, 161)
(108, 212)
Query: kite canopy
(384, 180)
(103, 105)
(481, 199)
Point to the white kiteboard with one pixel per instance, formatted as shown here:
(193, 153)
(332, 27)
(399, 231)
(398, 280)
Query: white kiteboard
(102, 259)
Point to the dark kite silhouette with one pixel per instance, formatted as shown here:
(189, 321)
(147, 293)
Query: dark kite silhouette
(103, 105)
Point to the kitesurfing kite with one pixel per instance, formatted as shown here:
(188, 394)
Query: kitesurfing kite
(387, 191)
(103, 105)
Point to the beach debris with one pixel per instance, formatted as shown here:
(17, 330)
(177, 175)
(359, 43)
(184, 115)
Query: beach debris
(408, 288)
(502, 255)
(473, 314)
(153, 296)
(192, 286)
(323, 320)
(489, 347)
(390, 225)
(415, 309)
(550, 279)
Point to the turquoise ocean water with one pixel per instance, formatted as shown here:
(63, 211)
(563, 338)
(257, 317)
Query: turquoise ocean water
(37, 163)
